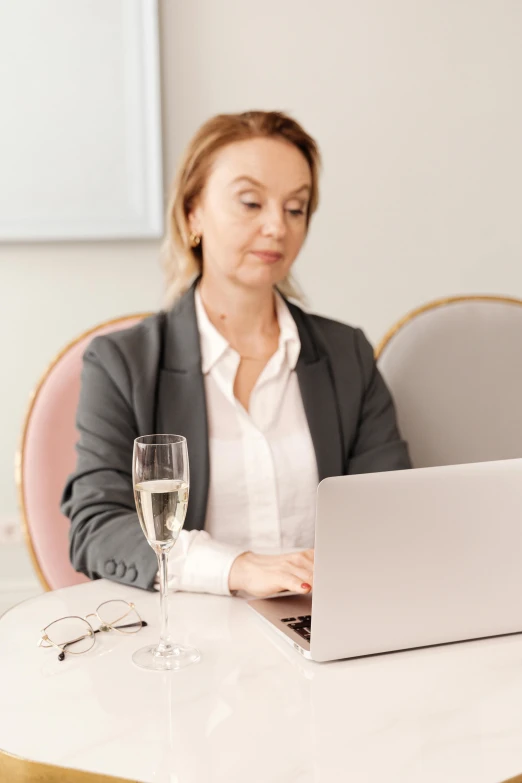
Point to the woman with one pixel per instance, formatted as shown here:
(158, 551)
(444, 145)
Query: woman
(270, 398)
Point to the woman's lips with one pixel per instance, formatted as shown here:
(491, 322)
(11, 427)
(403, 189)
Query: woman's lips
(268, 256)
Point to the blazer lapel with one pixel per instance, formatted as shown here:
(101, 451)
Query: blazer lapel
(319, 399)
(181, 402)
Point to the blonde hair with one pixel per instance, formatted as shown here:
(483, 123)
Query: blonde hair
(182, 262)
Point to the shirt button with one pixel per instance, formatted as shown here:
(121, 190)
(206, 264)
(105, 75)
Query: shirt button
(121, 570)
(110, 567)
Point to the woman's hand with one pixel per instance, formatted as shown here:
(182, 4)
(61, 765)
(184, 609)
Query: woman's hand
(263, 575)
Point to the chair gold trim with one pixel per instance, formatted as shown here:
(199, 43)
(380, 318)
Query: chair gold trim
(18, 770)
(436, 303)
(19, 457)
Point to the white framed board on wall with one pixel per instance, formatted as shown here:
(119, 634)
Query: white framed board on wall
(80, 129)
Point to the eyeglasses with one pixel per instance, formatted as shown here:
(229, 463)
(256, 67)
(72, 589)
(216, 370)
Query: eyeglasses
(77, 631)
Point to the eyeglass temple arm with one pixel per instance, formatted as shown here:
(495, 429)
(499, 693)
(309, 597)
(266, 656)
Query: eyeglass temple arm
(80, 638)
(129, 625)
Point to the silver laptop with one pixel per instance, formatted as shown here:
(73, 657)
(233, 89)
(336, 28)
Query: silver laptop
(409, 559)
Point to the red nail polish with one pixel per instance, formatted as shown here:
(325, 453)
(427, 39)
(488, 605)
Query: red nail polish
(306, 586)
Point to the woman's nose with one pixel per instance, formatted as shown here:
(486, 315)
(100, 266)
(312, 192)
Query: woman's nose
(274, 224)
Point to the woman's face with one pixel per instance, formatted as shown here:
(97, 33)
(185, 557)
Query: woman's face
(252, 212)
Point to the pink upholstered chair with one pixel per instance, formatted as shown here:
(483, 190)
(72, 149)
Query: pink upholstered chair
(47, 456)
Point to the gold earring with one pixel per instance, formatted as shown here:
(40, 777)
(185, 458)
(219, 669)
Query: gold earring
(195, 239)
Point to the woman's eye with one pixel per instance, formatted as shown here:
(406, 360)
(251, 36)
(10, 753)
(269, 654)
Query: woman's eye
(251, 205)
(296, 212)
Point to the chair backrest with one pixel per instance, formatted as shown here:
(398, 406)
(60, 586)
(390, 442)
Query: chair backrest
(47, 456)
(455, 372)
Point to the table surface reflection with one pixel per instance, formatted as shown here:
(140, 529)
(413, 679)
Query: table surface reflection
(253, 710)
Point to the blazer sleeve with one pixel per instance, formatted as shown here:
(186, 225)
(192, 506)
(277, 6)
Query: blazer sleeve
(378, 445)
(105, 536)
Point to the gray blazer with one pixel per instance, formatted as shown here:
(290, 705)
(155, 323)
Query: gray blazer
(148, 379)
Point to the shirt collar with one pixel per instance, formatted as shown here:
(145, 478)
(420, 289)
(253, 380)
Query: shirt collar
(214, 346)
(289, 336)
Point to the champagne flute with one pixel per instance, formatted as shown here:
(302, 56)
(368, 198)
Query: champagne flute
(160, 475)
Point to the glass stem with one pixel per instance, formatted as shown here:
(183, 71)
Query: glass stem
(165, 644)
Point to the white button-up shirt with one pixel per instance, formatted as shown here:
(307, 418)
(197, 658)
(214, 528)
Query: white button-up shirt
(263, 470)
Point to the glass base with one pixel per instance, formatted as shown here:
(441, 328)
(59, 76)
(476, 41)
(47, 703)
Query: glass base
(174, 659)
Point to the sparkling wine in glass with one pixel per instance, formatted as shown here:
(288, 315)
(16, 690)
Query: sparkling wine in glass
(160, 474)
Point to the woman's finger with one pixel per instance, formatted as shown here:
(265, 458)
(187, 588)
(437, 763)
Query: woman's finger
(294, 584)
(304, 573)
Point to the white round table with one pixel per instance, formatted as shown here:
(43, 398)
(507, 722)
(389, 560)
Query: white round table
(253, 710)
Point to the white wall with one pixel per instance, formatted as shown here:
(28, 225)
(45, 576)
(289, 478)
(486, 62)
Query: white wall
(416, 106)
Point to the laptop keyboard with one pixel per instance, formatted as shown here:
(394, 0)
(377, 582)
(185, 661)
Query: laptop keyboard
(301, 625)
